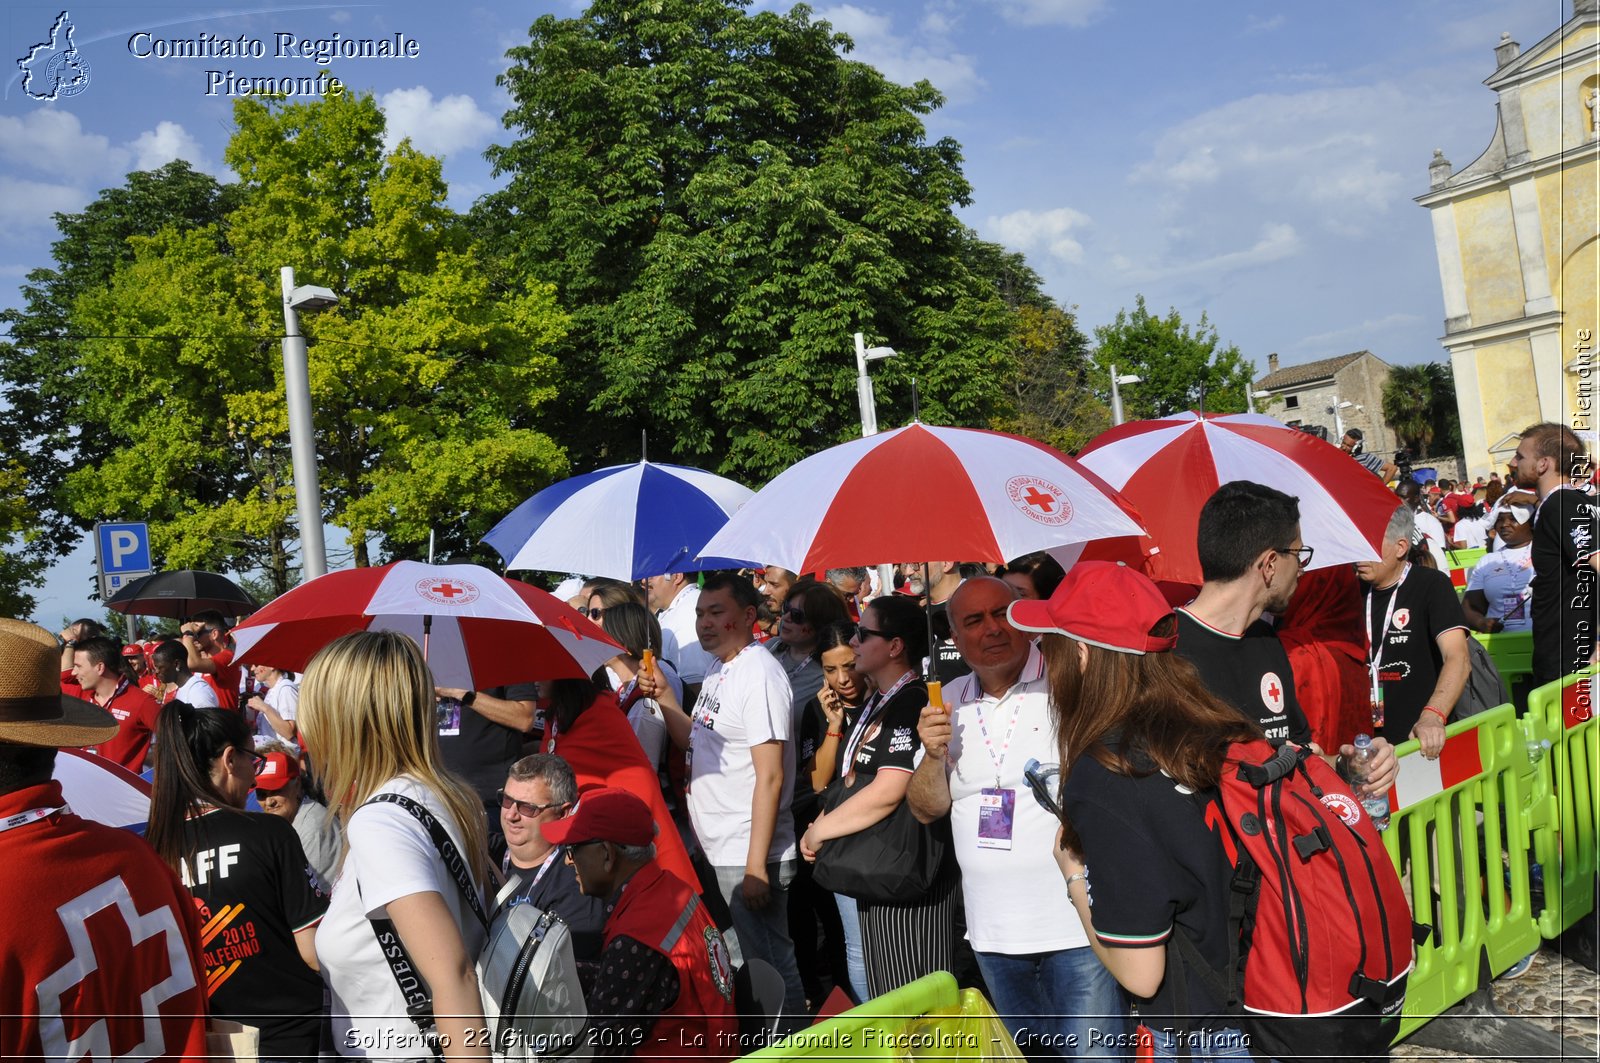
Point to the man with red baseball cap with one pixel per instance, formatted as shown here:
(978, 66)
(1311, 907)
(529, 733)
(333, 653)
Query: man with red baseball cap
(665, 979)
(281, 792)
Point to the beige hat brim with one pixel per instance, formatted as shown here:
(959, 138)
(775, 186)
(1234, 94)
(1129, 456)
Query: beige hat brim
(80, 724)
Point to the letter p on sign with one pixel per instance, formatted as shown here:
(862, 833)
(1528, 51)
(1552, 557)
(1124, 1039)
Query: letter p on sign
(123, 551)
(123, 543)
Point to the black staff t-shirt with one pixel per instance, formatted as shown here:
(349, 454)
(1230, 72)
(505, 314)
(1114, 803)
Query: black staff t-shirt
(1566, 590)
(255, 890)
(1425, 607)
(1155, 868)
(1248, 671)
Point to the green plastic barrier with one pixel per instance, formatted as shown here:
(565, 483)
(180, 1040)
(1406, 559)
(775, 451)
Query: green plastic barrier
(1461, 814)
(1465, 557)
(1512, 653)
(1565, 815)
(877, 1029)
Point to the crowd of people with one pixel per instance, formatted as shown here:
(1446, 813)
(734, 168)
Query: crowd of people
(678, 809)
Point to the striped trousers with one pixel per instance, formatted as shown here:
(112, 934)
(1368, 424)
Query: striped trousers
(903, 942)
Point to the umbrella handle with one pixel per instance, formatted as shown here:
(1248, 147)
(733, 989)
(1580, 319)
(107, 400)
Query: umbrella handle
(427, 630)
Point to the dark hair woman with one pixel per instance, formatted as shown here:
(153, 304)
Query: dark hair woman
(1033, 576)
(632, 625)
(808, 608)
(1139, 735)
(249, 874)
(900, 943)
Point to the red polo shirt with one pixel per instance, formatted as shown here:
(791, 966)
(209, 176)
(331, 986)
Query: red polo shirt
(136, 713)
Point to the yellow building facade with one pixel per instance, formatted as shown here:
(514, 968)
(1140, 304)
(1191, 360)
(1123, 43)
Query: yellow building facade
(1518, 241)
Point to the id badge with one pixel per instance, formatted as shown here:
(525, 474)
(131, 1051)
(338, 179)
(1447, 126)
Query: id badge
(1377, 708)
(996, 810)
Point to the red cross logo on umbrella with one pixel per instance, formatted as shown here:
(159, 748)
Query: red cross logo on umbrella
(1039, 500)
(447, 591)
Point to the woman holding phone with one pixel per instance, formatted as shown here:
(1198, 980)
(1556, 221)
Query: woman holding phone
(900, 942)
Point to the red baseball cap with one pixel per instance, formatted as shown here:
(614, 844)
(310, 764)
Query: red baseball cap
(605, 814)
(133, 649)
(1102, 603)
(277, 769)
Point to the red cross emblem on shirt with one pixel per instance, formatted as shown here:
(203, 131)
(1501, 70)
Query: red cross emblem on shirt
(1036, 497)
(447, 590)
(1273, 692)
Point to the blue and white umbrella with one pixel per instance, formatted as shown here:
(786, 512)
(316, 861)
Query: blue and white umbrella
(626, 522)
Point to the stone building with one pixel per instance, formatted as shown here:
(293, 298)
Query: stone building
(1334, 395)
(1515, 232)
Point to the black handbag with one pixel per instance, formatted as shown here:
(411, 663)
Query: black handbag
(897, 860)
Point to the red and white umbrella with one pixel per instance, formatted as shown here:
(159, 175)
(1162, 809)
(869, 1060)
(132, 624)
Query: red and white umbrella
(103, 790)
(478, 628)
(1169, 466)
(923, 493)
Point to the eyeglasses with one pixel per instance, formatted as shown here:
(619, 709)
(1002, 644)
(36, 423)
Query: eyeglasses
(572, 848)
(864, 632)
(1301, 554)
(796, 616)
(258, 762)
(523, 807)
(592, 614)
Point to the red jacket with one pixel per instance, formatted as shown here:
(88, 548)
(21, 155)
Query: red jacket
(662, 911)
(95, 925)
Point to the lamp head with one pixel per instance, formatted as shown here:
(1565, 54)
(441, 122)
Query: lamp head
(872, 354)
(312, 297)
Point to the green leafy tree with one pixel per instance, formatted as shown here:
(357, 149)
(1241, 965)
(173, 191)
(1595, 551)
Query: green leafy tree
(426, 379)
(20, 567)
(722, 198)
(1184, 367)
(41, 426)
(1419, 402)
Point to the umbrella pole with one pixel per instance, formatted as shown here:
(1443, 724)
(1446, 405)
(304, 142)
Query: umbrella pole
(427, 630)
(931, 671)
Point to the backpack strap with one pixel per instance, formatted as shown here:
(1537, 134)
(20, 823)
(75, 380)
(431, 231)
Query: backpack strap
(413, 990)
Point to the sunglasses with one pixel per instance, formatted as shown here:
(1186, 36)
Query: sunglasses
(572, 848)
(864, 632)
(796, 616)
(592, 614)
(523, 808)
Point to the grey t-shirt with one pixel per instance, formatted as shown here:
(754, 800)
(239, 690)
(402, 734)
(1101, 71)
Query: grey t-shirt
(320, 838)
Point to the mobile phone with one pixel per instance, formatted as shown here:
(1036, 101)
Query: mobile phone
(1039, 777)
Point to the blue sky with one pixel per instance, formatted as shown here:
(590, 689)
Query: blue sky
(1252, 160)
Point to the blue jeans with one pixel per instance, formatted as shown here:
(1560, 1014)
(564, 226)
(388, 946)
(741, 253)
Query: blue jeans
(1204, 1046)
(1060, 1004)
(853, 958)
(765, 933)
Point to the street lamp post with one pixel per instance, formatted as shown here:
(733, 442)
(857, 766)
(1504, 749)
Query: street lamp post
(1250, 398)
(869, 422)
(1338, 419)
(1116, 392)
(302, 429)
(864, 397)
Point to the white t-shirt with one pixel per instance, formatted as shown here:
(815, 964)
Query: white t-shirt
(1503, 577)
(1473, 532)
(1429, 526)
(1006, 889)
(285, 698)
(390, 856)
(744, 703)
(680, 644)
(197, 692)
(645, 715)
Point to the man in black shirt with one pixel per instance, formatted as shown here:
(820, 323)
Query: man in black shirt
(1251, 556)
(480, 735)
(1551, 460)
(1416, 640)
(541, 789)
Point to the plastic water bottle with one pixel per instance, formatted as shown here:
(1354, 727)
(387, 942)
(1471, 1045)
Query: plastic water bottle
(1377, 805)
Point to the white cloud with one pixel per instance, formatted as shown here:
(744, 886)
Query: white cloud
(1278, 241)
(167, 141)
(904, 59)
(1049, 231)
(436, 127)
(1049, 12)
(1354, 335)
(27, 206)
(52, 140)
(1257, 24)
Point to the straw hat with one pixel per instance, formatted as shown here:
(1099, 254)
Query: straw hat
(33, 711)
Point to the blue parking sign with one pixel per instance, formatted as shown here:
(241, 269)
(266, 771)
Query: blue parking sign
(122, 548)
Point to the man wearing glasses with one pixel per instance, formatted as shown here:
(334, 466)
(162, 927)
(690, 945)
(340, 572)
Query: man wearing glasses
(1251, 557)
(541, 789)
(481, 733)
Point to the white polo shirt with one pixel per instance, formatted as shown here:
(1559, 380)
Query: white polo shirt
(1007, 889)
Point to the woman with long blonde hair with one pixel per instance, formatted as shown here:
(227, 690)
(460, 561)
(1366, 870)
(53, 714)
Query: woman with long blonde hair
(409, 898)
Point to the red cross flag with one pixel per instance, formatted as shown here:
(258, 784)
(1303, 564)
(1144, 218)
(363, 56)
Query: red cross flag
(924, 493)
(479, 629)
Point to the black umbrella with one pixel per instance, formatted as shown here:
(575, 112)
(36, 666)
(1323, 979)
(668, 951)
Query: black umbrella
(181, 594)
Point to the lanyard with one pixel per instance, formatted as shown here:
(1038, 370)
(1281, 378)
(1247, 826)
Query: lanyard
(874, 709)
(1016, 714)
(1375, 647)
(122, 685)
(554, 855)
(33, 815)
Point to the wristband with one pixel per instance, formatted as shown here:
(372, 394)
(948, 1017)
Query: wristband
(834, 734)
(1444, 717)
(468, 698)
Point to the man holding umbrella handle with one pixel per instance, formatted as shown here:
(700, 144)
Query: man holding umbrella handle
(211, 649)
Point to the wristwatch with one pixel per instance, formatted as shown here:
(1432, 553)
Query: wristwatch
(468, 698)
